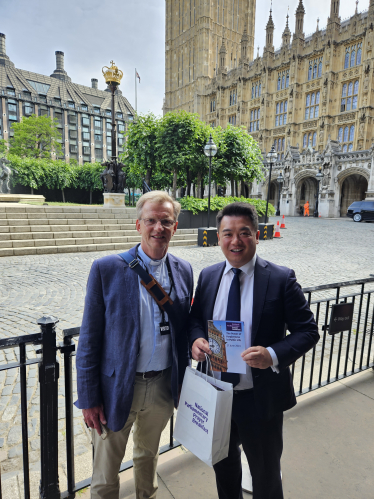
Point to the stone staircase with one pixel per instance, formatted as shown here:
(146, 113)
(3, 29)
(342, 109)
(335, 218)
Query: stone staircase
(37, 230)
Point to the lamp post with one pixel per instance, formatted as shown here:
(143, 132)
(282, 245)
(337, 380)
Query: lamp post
(271, 157)
(113, 178)
(210, 150)
(319, 177)
(280, 182)
(207, 236)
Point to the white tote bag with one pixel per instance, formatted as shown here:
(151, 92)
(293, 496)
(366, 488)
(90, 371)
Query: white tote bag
(204, 416)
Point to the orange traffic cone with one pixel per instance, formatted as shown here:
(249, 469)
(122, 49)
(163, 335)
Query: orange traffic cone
(283, 225)
(277, 231)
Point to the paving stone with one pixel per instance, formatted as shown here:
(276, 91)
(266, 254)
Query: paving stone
(7, 390)
(14, 435)
(15, 451)
(1, 442)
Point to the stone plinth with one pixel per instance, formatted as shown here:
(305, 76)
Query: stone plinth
(19, 198)
(114, 200)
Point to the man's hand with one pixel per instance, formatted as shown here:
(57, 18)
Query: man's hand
(257, 357)
(92, 417)
(199, 348)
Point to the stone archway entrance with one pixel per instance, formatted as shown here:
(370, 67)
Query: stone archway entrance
(273, 198)
(353, 189)
(306, 191)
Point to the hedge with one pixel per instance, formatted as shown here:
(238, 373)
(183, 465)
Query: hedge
(217, 203)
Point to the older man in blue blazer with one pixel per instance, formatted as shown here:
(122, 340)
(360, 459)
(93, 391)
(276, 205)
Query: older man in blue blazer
(128, 370)
(268, 299)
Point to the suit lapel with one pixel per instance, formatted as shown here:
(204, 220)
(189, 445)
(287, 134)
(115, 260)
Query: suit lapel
(130, 282)
(213, 286)
(260, 286)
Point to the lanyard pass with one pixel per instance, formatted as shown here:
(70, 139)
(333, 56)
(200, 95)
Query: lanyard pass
(164, 328)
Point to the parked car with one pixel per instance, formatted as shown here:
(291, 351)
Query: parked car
(361, 211)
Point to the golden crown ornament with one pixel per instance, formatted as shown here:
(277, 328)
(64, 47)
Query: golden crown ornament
(112, 75)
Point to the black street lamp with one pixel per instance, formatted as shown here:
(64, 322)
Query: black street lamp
(210, 150)
(280, 182)
(113, 177)
(319, 177)
(271, 157)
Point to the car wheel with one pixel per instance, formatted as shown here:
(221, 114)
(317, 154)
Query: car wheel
(357, 217)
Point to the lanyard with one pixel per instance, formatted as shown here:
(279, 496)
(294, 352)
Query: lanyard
(170, 279)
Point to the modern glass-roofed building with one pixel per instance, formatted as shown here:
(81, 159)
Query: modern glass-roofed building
(83, 113)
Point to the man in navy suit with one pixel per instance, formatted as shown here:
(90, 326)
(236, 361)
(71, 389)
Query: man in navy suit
(268, 299)
(129, 365)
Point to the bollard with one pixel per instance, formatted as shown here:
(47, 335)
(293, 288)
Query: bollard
(48, 379)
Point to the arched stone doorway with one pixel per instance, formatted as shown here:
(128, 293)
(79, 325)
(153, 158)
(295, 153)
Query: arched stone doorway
(273, 198)
(353, 188)
(306, 191)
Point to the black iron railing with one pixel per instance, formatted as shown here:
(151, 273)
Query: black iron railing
(335, 357)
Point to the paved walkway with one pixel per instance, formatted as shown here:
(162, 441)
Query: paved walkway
(319, 250)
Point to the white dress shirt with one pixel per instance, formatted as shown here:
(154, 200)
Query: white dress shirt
(246, 312)
(155, 349)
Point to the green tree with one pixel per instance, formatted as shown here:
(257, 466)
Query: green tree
(238, 157)
(35, 137)
(180, 141)
(3, 148)
(140, 147)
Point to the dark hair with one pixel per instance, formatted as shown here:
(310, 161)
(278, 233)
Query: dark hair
(240, 209)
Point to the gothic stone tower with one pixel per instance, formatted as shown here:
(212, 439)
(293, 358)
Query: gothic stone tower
(195, 30)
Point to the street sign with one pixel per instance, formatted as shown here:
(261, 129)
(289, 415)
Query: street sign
(341, 317)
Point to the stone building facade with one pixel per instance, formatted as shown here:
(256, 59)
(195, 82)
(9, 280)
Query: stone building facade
(83, 113)
(313, 98)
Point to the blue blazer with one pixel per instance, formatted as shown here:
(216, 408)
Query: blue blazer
(277, 301)
(109, 337)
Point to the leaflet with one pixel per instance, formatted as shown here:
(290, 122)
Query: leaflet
(226, 341)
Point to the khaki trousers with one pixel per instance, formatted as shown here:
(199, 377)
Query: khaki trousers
(151, 409)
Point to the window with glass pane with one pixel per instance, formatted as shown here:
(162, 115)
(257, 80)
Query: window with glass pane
(86, 135)
(254, 124)
(259, 89)
(232, 119)
(279, 83)
(310, 72)
(43, 111)
(349, 96)
(98, 137)
(312, 105)
(85, 121)
(319, 69)
(84, 107)
(97, 124)
(71, 105)
(279, 146)
(108, 112)
(119, 115)
(281, 113)
(212, 105)
(359, 52)
(28, 108)
(121, 127)
(86, 150)
(11, 91)
(97, 110)
(346, 58)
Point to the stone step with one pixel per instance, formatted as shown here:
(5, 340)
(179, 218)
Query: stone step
(60, 228)
(63, 221)
(12, 236)
(64, 209)
(63, 216)
(104, 238)
(71, 248)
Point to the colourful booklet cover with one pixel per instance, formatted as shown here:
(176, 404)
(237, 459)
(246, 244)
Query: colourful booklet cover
(226, 340)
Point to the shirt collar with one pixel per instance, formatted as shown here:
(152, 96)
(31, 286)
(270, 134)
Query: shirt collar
(147, 260)
(248, 268)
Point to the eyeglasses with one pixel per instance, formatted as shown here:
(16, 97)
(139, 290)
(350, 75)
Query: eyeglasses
(149, 222)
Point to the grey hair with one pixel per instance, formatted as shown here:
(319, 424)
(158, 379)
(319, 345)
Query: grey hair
(157, 197)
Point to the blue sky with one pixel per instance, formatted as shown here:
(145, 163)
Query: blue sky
(131, 32)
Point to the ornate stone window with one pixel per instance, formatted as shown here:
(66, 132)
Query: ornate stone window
(279, 147)
(254, 124)
(232, 119)
(346, 137)
(283, 79)
(281, 113)
(212, 105)
(353, 55)
(233, 97)
(349, 96)
(312, 105)
(256, 89)
(310, 139)
(315, 68)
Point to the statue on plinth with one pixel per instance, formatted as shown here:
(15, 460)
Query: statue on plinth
(113, 177)
(5, 174)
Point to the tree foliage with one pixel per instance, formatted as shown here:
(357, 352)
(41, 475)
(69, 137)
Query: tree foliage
(35, 137)
(218, 203)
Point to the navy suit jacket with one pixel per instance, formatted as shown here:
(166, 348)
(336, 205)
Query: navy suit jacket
(109, 336)
(277, 301)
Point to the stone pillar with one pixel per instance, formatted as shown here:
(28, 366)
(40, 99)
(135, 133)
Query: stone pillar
(370, 191)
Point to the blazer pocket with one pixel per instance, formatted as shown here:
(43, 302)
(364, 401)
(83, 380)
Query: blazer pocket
(107, 370)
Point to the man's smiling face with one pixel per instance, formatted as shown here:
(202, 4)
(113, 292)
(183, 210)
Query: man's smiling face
(238, 240)
(156, 238)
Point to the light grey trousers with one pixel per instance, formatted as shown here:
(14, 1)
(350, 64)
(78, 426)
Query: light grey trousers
(151, 409)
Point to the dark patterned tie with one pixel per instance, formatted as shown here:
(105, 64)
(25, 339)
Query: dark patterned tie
(233, 314)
